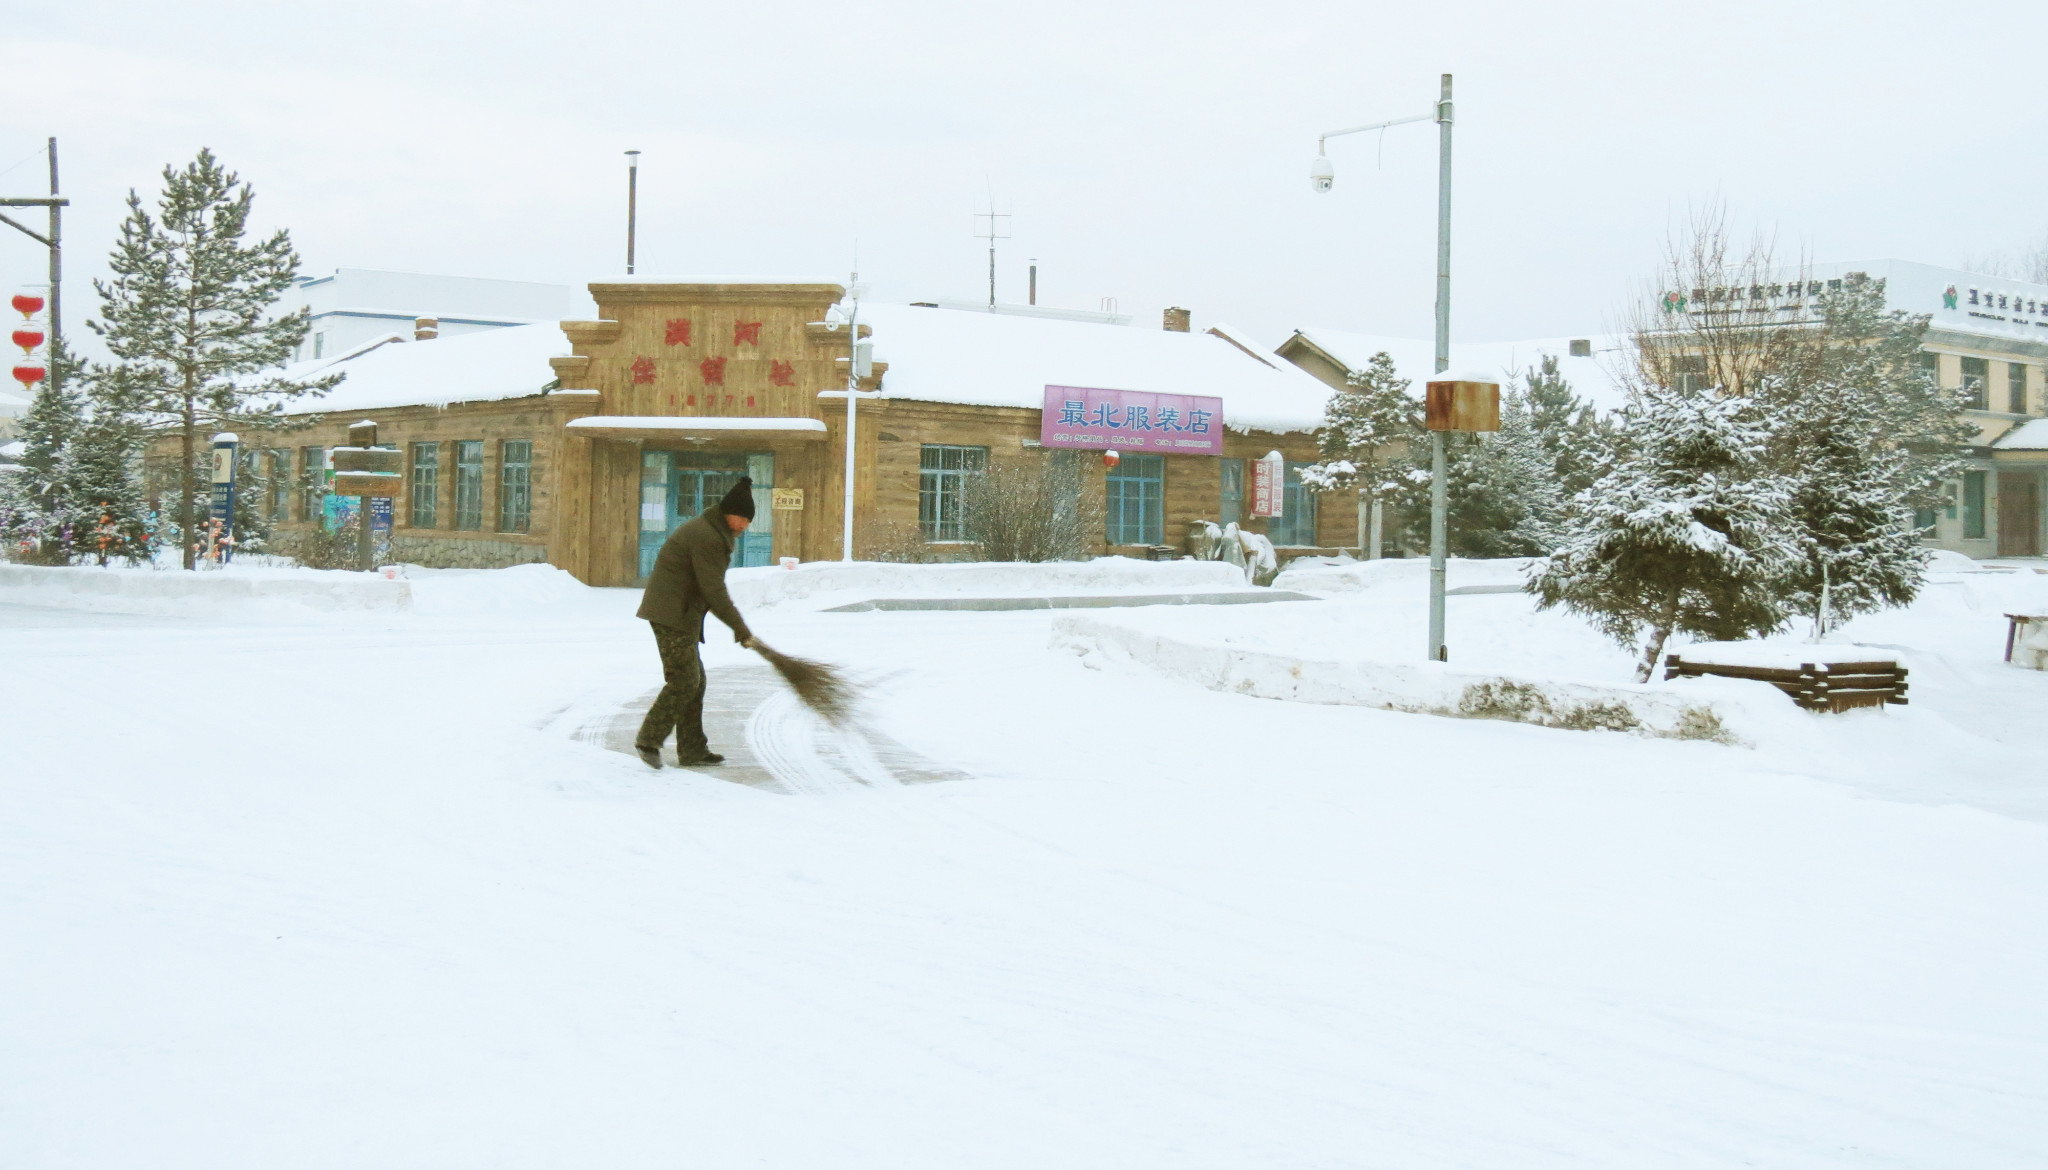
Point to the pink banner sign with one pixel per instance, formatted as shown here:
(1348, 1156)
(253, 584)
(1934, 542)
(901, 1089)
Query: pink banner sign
(1131, 420)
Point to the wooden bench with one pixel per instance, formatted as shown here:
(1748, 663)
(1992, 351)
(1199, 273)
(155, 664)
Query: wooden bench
(1816, 686)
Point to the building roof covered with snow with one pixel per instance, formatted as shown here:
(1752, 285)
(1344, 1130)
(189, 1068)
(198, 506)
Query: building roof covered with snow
(1592, 364)
(393, 370)
(980, 358)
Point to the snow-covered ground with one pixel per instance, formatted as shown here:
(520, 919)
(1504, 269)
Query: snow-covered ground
(330, 891)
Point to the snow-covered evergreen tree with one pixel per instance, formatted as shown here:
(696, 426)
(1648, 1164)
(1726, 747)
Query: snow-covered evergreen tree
(186, 317)
(1367, 427)
(36, 506)
(1567, 426)
(1500, 495)
(1863, 436)
(1690, 535)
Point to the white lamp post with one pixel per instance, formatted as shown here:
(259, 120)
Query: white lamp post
(860, 363)
(1323, 176)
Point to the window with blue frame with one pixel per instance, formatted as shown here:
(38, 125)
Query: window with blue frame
(1295, 526)
(1137, 500)
(943, 469)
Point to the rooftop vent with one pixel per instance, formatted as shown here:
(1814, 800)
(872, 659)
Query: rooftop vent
(426, 328)
(1177, 320)
(1582, 347)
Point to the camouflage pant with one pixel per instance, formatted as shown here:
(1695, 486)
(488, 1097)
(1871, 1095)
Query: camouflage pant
(680, 706)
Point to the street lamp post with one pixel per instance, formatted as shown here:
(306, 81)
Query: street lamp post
(1323, 176)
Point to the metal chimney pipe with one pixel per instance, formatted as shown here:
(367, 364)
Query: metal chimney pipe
(632, 204)
(1034, 280)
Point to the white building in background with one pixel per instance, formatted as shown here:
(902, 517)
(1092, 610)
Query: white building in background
(353, 306)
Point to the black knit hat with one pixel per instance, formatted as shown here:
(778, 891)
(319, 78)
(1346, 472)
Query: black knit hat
(740, 500)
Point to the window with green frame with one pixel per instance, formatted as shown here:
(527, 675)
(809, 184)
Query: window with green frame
(515, 485)
(1295, 526)
(1136, 510)
(280, 503)
(312, 482)
(469, 484)
(1973, 505)
(943, 469)
(423, 492)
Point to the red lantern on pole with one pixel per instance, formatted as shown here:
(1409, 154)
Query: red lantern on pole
(29, 375)
(28, 306)
(1110, 458)
(28, 339)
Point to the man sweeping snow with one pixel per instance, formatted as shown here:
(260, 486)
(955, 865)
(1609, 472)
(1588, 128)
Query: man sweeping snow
(689, 581)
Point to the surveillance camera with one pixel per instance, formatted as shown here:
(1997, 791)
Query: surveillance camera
(1321, 175)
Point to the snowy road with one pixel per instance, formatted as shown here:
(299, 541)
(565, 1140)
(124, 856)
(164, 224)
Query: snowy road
(344, 893)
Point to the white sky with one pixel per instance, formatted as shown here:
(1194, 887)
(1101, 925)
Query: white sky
(1154, 153)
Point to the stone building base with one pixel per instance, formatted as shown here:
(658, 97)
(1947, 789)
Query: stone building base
(442, 552)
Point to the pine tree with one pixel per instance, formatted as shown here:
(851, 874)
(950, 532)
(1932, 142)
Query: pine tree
(1688, 536)
(1367, 427)
(1567, 426)
(35, 503)
(1864, 436)
(109, 518)
(186, 318)
(1500, 495)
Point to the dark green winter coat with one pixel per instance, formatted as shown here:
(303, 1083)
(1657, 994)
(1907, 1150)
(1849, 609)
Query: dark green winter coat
(688, 580)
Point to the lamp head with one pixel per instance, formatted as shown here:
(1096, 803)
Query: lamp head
(1321, 175)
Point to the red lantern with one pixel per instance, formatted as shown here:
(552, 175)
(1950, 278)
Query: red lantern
(29, 375)
(27, 305)
(1110, 458)
(28, 339)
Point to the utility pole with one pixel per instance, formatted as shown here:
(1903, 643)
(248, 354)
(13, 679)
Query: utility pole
(632, 204)
(55, 243)
(1439, 505)
(995, 232)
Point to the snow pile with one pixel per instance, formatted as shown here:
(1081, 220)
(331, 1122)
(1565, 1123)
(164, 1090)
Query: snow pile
(1319, 576)
(170, 591)
(1722, 710)
(839, 580)
(519, 588)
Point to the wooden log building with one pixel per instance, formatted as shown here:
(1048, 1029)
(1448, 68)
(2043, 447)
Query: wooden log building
(583, 445)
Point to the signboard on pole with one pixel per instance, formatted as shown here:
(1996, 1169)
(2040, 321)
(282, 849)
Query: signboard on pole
(1269, 485)
(1131, 421)
(221, 505)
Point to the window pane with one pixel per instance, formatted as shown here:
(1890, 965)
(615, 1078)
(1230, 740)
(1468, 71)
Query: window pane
(1136, 503)
(2015, 388)
(1295, 527)
(425, 488)
(280, 483)
(515, 485)
(941, 488)
(312, 482)
(1976, 380)
(1973, 505)
(1232, 505)
(469, 484)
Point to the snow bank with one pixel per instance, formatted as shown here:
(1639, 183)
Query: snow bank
(1722, 710)
(1318, 576)
(871, 579)
(121, 590)
(519, 588)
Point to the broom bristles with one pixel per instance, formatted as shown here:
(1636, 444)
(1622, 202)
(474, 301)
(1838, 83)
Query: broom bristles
(820, 686)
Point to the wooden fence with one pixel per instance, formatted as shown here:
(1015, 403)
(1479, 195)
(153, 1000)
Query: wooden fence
(1816, 686)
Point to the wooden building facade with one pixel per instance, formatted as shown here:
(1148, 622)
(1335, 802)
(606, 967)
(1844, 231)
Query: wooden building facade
(588, 458)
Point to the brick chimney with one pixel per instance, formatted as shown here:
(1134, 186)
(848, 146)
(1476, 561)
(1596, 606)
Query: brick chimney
(1177, 320)
(426, 328)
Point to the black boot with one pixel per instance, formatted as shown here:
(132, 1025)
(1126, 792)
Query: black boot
(705, 757)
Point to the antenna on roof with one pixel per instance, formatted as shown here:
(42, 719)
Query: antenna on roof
(995, 232)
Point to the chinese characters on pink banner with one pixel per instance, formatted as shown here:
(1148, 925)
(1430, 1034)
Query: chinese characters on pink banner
(1131, 421)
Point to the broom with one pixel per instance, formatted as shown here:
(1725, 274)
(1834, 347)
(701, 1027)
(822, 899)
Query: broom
(820, 686)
